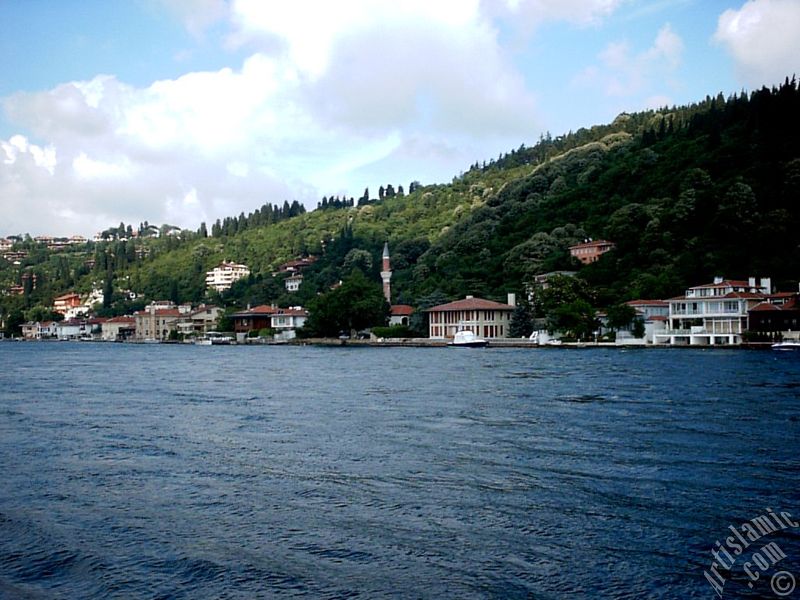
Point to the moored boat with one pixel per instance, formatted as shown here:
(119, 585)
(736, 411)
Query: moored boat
(786, 346)
(213, 338)
(467, 339)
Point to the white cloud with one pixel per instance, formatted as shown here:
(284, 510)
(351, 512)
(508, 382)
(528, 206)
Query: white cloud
(532, 13)
(641, 77)
(324, 104)
(763, 37)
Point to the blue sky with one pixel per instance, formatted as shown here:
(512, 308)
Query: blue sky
(181, 111)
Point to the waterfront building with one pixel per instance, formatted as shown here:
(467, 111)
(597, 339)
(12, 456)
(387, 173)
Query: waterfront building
(400, 313)
(252, 319)
(119, 329)
(485, 318)
(654, 314)
(286, 321)
(157, 321)
(778, 315)
(714, 313)
(222, 277)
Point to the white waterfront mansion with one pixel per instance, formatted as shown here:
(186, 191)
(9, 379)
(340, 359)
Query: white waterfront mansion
(715, 313)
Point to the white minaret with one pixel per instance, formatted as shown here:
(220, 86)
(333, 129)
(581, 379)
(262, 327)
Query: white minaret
(386, 274)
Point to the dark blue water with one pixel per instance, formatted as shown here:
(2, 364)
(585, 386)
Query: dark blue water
(243, 472)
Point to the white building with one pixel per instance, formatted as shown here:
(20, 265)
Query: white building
(222, 276)
(287, 320)
(292, 283)
(711, 314)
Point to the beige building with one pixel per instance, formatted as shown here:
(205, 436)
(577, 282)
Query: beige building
(119, 328)
(157, 320)
(485, 318)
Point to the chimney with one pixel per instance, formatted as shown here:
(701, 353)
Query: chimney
(766, 285)
(512, 299)
(751, 282)
(470, 297)
(717, 279)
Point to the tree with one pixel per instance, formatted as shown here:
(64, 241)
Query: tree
(419, 320)
(108, 289)
(620, 316)
(521, 321)
(357, 259)
(356, 304)
(576, 319)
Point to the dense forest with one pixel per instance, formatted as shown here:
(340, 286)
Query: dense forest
(685, 193)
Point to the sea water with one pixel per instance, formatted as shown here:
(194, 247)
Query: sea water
(167, 471)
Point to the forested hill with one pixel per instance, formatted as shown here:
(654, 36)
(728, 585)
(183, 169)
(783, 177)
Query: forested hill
(685, 193)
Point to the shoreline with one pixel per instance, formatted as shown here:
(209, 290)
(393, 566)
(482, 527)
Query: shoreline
(429, 343)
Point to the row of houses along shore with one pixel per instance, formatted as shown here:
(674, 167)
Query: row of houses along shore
(724, 312)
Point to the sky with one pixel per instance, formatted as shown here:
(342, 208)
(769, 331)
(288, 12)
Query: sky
(182, 111)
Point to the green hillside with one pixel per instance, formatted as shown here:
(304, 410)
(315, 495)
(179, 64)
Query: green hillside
(685, 193)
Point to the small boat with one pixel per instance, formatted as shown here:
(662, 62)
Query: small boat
(786, 346)
(467, 339)
(213, 338)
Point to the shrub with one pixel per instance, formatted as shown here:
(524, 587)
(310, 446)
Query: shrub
(394, 331)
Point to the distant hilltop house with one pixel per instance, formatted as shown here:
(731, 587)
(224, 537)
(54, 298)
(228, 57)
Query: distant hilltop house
(66, 302)
(293, 281)
(297, 265)
(590, 251)
(222, 277)
(5, 244)
(485, 318)
(713, 313)
(294, 270)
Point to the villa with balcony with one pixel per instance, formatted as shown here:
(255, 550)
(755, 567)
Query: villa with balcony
(712, 314)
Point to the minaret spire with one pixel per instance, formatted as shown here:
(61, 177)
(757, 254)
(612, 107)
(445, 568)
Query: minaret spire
(386, 274)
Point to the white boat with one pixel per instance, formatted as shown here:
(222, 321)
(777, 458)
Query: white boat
(213, 338)
(786, 346)
(467, 339)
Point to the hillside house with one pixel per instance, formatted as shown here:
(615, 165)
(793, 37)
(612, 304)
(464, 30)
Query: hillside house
(223, 276)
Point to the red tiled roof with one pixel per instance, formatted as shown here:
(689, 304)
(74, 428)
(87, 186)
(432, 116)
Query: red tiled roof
(744, 295)
(161, 312)
(768, 306)
(723, 283)
(292, 312)
(470, 304)
(765, 307)
(263, 309)
(647, 303)
(401, 310)
(123, 319)
(592, 244)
